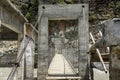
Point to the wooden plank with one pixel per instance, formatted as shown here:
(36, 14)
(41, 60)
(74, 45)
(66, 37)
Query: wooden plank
(59, 66)
(4, 72)
(53, 77)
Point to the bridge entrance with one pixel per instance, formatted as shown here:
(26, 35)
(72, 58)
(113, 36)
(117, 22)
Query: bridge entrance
(54, 38)
(63, 39)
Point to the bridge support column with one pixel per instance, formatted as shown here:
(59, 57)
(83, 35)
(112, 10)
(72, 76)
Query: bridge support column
(29, 52)
(26, 50)
(43, 49)
(83, 43)
(20, 69)
(29, 61)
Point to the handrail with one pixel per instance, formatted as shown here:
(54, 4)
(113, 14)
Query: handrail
(98, 53)
(12, 73)
(67, 59)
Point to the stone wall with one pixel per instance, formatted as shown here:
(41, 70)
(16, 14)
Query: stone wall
(112, 38)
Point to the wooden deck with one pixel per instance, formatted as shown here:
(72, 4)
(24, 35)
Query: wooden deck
(4, 72)
(61, 69)
(64, 78)
(60, 66)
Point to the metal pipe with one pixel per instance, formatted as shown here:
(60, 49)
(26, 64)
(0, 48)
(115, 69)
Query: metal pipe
(11, 75)
(98, 53)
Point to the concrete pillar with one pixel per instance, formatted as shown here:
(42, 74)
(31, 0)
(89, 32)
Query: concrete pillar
(20, 69)
(29, 61)
(43, 49)
(115, 62)
(83, 43)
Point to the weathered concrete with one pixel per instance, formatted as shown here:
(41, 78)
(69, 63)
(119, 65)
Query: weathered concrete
(62, 11)
(20, 70)
(11, 17)
(31, 32)
(29, 61)
(43, 49)
(83, 35)
(67, 12)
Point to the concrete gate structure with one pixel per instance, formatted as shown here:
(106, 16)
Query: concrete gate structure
(63, 12)
(14, 26)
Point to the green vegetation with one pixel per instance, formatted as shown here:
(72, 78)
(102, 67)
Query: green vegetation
(29, 9)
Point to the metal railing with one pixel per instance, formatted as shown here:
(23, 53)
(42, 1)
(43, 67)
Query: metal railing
(98, 53)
